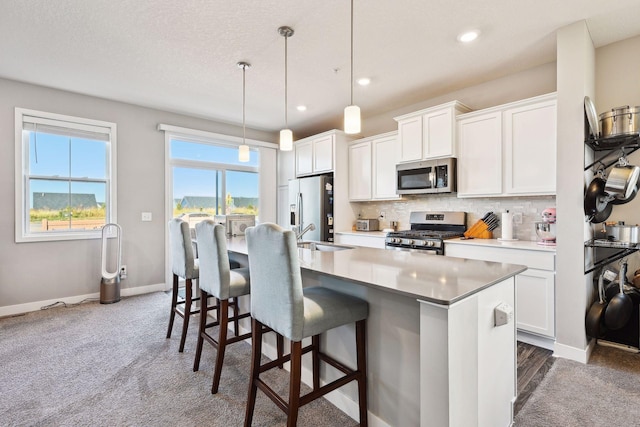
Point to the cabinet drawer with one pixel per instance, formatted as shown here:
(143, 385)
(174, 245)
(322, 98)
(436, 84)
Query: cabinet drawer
(539, 260)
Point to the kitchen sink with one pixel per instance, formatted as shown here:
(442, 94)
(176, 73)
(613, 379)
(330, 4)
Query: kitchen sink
(322, 246)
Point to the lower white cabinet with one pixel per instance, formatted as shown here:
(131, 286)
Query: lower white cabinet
(361, 239)
(535, 287)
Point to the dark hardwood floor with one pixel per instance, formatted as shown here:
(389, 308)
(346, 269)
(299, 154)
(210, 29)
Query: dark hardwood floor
(533, 364)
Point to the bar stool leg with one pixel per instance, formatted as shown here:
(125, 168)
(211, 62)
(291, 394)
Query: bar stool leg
(174, 303)
(222, 343)
(315, 350)
(280, 348)
(256, 353)
(187, 314)
(294, 383)
(203, 325)
(361, 354)
(236, 321)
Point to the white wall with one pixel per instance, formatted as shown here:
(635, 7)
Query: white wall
(44, 271)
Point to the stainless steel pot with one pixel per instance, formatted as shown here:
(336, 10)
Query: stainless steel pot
(620, 232)
(620, 121)
(622, 180)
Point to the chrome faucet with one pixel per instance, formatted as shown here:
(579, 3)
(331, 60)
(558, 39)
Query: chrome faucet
(311, 227)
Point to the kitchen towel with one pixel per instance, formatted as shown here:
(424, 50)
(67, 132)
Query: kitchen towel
(507, 226)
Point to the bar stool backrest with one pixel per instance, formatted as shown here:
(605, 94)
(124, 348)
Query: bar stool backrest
(276, 283)
(213, 258)
(182, 258)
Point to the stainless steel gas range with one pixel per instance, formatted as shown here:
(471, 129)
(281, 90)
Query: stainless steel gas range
(428, 232)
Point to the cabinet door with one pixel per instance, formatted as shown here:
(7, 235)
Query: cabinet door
(438, 134)
(410, 135)
(480, 155)
(323, 154)
(286, 167)
(535, 302)
(304, 158)
(385, 157)
(360, 171)
(530, 149)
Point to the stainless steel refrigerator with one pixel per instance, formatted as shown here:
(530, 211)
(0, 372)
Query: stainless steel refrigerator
(311, 202)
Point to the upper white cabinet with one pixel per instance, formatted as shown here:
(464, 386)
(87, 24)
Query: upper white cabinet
(372, 168)
(429, 133)
(509, 150)
(316, 154)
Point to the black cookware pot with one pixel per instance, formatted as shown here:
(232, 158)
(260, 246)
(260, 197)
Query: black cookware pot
(620, 307)
(594, 322)
(596, 201)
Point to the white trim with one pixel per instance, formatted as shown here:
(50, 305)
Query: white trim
(573, 353)
(21, 204)
(13, 310)
(537, 340)
(208, 136)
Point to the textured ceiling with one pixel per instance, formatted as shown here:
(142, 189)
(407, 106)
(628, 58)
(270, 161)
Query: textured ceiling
(181, 56)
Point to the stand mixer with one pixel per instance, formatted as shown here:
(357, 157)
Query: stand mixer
(546, 229)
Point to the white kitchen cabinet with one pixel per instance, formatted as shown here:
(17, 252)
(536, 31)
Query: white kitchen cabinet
(535, 287)
(480, 144)
(385, 158)
(429, 133)
(286, 167)
(366, 239)
(316, 154)
(508, 150)
(372, 168)
(360, 160)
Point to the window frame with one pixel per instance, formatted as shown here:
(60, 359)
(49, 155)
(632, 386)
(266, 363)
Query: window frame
(22, 174)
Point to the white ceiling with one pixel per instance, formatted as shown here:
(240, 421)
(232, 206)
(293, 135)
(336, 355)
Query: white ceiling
(181, 56)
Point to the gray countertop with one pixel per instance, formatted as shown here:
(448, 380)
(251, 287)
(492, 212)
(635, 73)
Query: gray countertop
(438, 279)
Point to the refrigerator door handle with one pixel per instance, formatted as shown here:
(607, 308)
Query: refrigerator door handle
(300, 213)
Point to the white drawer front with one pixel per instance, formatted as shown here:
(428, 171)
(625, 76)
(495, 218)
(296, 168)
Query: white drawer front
(533, 259)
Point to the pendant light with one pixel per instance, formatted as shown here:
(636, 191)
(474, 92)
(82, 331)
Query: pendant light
(243, 150)
(352, 112)
(286, 136)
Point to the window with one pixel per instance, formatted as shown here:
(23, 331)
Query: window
(208, 180)
(65, 176)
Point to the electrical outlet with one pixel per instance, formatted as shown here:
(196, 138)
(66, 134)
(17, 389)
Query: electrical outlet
(517, 218)
(123, 272)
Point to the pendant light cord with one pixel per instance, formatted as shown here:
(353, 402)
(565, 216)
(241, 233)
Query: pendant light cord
(285, 83)
(351, 52)
(244, 70)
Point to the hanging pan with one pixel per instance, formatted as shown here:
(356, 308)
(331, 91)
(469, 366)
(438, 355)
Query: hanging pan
(595, 316)
(620, 307)
(596, 201)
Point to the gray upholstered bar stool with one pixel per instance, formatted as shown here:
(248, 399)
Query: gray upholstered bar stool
(185, 265)
(279, 301)
(218, 280)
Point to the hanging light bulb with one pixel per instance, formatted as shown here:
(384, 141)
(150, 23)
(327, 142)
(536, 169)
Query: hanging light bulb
(286, 136)
(352, 122)
(243, 150)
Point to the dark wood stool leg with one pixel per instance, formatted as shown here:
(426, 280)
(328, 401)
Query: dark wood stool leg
(361, 350)
(222, 344)
(256, 353)
(315, 349)
(236, 321)
(174, 303)
(280, 348)
(201, 329)
(294, 383)
(187, 313)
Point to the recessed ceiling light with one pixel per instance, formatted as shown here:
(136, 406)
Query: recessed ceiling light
(468, 36)
(301, 108)
(364, 81)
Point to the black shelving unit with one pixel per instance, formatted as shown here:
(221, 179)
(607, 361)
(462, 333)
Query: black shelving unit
(622, 250)
(626, 143)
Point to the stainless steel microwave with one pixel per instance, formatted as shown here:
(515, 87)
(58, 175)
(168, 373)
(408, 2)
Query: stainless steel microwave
(426, 176)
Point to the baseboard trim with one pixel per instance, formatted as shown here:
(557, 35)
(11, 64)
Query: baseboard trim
(13, 310)
(578, 354)
(538, 341)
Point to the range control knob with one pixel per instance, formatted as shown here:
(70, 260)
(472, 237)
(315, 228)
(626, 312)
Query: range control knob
(430, 243)
(410, 242)
(421, 243)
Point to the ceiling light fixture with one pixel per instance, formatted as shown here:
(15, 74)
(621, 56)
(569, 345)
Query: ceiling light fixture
(286, 136)
(352, 122)
(301, 108)
(243, 150)
(468, 36)
(364, 81)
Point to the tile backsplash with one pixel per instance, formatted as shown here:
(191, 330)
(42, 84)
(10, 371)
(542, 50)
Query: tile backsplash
(398, 210)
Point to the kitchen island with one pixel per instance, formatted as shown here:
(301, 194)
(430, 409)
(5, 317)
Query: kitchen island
(435, 354)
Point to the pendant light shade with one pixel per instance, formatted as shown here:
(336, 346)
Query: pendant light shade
(286, 140)
(243, 150)
(352, 122)
(286, 136)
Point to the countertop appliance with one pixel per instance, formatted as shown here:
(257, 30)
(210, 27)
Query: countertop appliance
(546, 230)
(235, 224)
(311, 202)
(427, 176)
(428, 232)
(367, 225)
